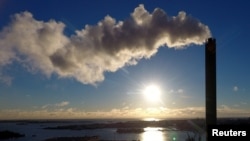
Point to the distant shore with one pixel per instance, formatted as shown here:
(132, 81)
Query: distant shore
(183, 125)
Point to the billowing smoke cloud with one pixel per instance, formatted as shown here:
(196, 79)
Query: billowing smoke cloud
(89, 53)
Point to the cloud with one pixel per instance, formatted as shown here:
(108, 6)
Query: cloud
(41, 46)
(180, 91)
(62, 104)
(235, 88)
(5, 79)
(126, 112)
(243, 103)
(227, 111)
(57, 105)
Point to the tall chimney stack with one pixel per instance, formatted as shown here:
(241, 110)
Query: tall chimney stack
(210, 60)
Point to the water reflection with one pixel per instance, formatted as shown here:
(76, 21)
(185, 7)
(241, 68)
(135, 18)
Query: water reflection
(153, 134)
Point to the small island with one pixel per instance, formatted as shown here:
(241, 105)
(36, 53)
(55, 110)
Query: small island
(6, 134)
(129, 130)
(85, 138)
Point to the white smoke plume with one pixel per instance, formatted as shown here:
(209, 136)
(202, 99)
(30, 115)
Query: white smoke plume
(105, 47)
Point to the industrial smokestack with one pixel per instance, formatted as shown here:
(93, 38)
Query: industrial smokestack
(210, 58)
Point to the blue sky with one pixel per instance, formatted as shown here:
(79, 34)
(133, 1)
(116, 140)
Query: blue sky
(55, 73)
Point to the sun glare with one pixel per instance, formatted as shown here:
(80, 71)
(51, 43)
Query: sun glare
(153, 134)
(152, 93)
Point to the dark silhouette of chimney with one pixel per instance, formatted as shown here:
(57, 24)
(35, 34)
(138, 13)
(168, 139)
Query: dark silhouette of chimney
(210, 60)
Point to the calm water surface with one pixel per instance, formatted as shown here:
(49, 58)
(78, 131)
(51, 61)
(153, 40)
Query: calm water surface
(35, 132)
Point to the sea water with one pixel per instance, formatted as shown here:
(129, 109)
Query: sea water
(34, 131)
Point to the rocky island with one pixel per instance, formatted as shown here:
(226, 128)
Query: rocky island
(6, 134)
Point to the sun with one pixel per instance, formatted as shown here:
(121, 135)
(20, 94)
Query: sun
(152, 93)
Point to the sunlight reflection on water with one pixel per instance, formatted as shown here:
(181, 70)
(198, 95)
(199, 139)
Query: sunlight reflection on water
(153, 134)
